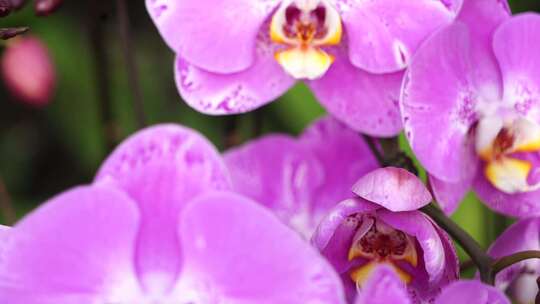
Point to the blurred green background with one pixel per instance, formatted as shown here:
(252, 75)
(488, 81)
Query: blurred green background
(45, 151)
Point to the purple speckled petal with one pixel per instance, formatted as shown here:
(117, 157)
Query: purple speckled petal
(471, 292)
(240, 92)
(417, 224)
(523, 235)
(280, 173)
(366, 102)
(518, 205)
(237, 252)
(383, 287)
(162, 168)
(77, 248)
(215, 35)
(517, 44)
(384, 35)
(442, 94)
(449, 195)
(395, 189)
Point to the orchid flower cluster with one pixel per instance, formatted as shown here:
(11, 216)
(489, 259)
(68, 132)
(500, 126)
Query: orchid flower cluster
(313, 219)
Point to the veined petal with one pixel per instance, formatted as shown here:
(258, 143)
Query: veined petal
(219, 230)
(365, 102)
(439, 98)
(384, 35)
(516, 44)
(162, 168)
(445, 95)
(215, 35)
(471, 292)
(217, 94)
(76, 248)
(282, 174)
(395, 189)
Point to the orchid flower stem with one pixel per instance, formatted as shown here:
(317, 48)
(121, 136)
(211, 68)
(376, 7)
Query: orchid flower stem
(131, 63)
(477, 254)
(374, 149)
(102, 72)
(6, 205)
(506, 261)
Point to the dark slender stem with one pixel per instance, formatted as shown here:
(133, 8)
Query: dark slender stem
(6, 205)
(131, 63)
(467, 265)
(473, 249)
(374, 149)
(504, 262)
(231, 137)
(102, 71)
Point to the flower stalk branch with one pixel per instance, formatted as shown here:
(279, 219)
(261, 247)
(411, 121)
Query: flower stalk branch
(6, 205)
(506, 261)
(131, 63)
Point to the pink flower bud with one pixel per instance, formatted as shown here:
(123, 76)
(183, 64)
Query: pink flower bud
(28, 71)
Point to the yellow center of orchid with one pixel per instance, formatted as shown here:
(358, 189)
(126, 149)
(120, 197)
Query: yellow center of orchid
(499, 143)
(304, 27)
(381, 244)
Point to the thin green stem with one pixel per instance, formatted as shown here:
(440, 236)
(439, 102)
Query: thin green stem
(506, 261)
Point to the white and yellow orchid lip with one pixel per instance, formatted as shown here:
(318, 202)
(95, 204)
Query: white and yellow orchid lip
(382, 244)
(305, 26)
(496, 141)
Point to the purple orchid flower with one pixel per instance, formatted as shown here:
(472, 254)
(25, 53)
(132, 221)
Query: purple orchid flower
(237, 55)
(301, 179)
(519, 280)
(383, 227)
(383, 286)
(157, 226)
(472, 115)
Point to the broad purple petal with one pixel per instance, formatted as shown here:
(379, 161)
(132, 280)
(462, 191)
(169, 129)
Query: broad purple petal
(240, 92)
(447, 194)
(443, 95)
(517, 44)
(162, 168)
(521, 236)
(282, 174)
(214, 35)
(384, 35)
(383, 287)
(366, 102)
(439, 98)
(395, 189)
(471, 292)
(418, 225)
(237, 252)
(77, 248)
(517, 205)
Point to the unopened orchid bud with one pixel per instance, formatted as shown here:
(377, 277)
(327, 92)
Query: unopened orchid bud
(17, 4)
(28, 71)
(10, 32)
(5, 8)
(46, 7)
